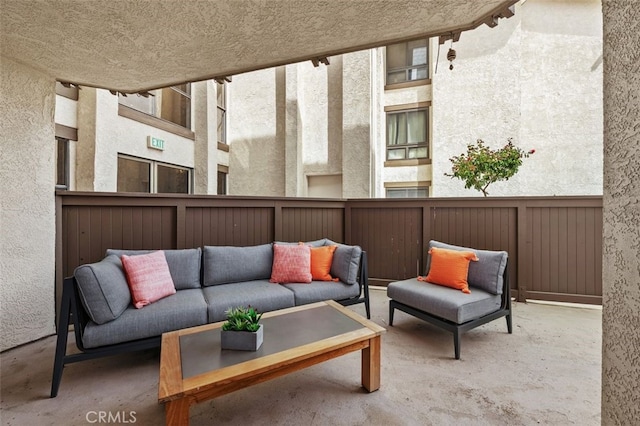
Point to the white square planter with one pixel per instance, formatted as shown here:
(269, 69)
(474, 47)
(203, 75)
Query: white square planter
(241, 340)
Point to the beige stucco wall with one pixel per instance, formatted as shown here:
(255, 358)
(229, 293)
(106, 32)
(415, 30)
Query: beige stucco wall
(66, 112)
(206, 154)
(255, 134)
(27, 209)
(537, 78)
(621, 214)
(292, 123)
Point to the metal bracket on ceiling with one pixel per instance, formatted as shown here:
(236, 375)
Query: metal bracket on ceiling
(453, 36)
(492, 21)
(320, 60)
(222, 79)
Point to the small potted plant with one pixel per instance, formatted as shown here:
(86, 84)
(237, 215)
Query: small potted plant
(242, 329)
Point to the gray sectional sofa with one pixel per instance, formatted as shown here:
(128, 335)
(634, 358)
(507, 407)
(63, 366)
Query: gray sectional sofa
(208, 281)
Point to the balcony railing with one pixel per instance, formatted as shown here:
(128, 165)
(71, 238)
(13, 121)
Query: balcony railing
(554, 243)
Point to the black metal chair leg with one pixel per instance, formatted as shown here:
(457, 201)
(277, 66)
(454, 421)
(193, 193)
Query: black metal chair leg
(456, 343)
(509, 323)
(391, 310)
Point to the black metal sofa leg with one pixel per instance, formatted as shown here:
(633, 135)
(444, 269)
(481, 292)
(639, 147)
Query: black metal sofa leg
(509, 323)
(456, 342)
(61, 344)
(58, 364)
(391, 311)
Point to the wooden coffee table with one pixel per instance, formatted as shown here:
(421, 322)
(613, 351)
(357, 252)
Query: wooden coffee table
(194, 369)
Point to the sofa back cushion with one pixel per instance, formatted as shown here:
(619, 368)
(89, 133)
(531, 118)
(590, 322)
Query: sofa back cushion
(346, 260)
(315, 243)
(184, 265)
(487, 273)
(103, 289)
(229, 264)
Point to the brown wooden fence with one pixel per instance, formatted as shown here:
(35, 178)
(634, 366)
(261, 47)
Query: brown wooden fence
(554, 243)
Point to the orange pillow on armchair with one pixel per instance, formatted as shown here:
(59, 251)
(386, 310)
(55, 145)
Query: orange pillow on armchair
(450, 268)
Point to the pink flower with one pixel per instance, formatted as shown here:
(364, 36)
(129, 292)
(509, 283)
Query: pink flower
(532, 151)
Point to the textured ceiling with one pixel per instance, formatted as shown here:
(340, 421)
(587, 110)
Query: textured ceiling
(134, 45)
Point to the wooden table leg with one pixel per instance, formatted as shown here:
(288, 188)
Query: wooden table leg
(177, 412)
(371, 365)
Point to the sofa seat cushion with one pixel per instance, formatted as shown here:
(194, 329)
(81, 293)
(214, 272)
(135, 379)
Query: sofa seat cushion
(229, 264)
(103, 289)
(186, 308)
(317, 291)
(184, 265)
(261, 294)
(444, 302)
(487, 273)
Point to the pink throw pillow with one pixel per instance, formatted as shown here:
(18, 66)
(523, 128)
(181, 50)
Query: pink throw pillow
(291, 264)
(148, 277)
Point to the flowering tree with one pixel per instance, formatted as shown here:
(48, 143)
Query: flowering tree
(481, 166)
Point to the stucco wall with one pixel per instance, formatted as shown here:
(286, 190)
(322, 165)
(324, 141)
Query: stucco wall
(27, 210)
(292, 122)
(206, 153)
(357, 132)
(256, 148)
(536, 78)
(621, 214)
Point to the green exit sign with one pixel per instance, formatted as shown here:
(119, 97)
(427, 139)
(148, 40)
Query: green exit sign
(155, 143)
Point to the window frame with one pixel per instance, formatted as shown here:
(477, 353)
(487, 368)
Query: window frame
(66, 163)
(153, 171)
(155, 119)
(406, 82)
(223, 184)
(221, 109)
(407, 186)
(406, 109)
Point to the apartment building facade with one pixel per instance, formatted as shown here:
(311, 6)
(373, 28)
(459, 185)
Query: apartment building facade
(377, 123)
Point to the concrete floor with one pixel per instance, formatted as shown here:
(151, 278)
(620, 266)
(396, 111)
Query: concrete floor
(547, 372)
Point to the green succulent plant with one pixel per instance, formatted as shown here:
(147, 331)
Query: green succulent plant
(242, 319)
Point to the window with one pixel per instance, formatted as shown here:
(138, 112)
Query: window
(139, 175)
(407, 134)
(222, 112)
(407, 61)
(222, 183)
(414, 192)
(62, 163)
(171, 103)
(223, 175)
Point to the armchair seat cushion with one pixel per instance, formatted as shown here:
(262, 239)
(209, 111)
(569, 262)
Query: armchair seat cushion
(444, 302)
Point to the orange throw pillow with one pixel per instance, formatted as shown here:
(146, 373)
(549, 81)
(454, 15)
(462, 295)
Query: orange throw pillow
(321, 259)
(450, 268)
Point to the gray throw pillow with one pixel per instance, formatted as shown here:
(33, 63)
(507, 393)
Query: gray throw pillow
(103, 289)
(487, 273)
(184, 265)
(346, 260)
